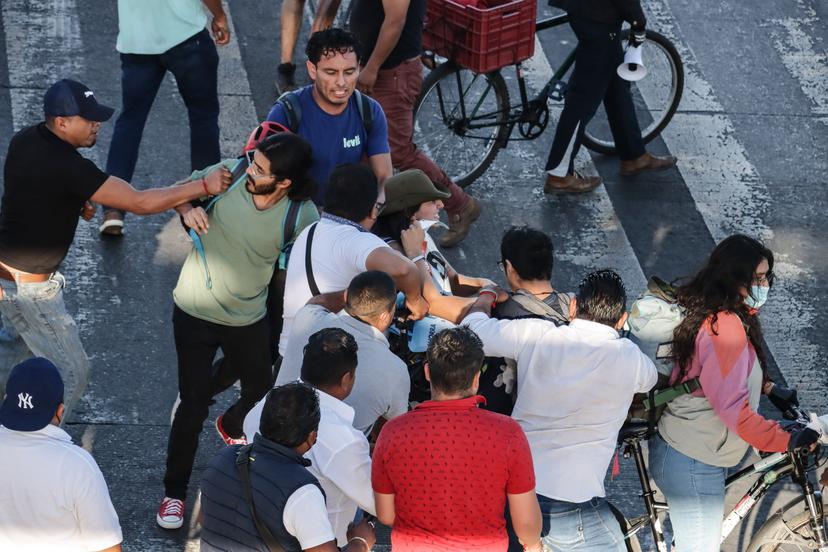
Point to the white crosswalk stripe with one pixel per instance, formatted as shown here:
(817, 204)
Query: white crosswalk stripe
(732, 197)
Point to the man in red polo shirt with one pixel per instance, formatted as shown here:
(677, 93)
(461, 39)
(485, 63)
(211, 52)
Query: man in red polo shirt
(442, 474)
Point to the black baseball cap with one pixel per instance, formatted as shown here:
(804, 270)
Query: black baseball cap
(33, 393)
(67, 98)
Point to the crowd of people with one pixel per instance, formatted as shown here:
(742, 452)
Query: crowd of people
(309, 252)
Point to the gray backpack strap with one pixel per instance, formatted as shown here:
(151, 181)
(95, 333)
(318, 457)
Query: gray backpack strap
(542, 309)
(293, 110)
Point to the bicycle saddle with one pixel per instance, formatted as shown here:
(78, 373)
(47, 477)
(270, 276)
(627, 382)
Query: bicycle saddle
(634, 430)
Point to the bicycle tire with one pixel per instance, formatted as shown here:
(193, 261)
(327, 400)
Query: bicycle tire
(776, 532)
(659, 55)
(445, 137)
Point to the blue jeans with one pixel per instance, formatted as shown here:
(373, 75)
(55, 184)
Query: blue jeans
(583, 527)
(194, 63)
(37, 312)
(695, 493)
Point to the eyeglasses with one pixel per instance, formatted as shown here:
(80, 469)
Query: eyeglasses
(379, 206)
(765, 279)
(253, 168)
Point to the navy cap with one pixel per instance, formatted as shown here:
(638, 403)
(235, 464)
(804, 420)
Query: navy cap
(33, 393)
(67, 98)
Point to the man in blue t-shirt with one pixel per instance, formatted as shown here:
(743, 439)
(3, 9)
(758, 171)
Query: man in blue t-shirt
(331, 119)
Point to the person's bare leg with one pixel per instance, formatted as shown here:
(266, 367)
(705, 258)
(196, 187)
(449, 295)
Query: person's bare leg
(290, 23)
(325, 15)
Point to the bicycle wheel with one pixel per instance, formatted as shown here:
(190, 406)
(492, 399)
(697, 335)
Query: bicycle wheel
(655, 97)
(785, 531)
(460, 120)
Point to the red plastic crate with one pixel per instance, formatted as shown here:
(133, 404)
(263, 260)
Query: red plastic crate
(482, 39)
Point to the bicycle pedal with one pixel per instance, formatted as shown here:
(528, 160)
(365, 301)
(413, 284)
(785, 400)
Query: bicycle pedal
(556, 90)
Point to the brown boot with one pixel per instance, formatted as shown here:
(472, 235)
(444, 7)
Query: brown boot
(113, 223)
(570, 184)
(460, 223)
(647, 162)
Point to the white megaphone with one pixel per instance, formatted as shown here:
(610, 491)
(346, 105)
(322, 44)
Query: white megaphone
(632, 69)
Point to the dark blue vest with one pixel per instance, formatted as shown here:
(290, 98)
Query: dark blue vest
(276, 472)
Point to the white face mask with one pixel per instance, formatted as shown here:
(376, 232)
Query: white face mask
(426, 224)
(757, 296)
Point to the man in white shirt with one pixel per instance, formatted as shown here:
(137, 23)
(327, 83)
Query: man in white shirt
(342, 247)
(381, 390)
(575, 386)
(340, 459)
(289, 505)
(53, 496)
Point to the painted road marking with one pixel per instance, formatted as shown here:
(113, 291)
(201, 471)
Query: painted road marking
(732, 197)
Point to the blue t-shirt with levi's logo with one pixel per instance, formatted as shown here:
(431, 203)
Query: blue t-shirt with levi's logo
(335, 139)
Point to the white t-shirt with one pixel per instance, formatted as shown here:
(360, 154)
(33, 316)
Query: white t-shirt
(53, 496)
(306, 518)
(575, 385)
(438, 265)
(340, 460)
(382, 383)
(338, 253)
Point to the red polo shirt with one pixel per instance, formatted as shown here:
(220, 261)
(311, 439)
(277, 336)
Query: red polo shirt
(450, 465)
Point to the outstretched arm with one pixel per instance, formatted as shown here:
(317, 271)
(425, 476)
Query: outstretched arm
(120, 194)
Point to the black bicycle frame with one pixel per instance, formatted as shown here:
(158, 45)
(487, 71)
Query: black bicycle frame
(516, 113)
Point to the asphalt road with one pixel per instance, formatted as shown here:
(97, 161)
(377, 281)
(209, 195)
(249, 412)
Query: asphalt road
(751, 135)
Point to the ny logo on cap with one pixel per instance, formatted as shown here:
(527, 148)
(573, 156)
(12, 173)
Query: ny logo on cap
(24, 401)
(88, 93)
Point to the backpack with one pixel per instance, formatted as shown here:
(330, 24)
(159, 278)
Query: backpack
(653, 318)
(293, 110)
(557, 314)
(288, 224)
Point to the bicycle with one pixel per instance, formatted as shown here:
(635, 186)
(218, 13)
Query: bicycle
(790, 526)
(462, 119)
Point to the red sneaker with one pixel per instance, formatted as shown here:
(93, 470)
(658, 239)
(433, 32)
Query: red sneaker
(170, 513)
(225, 437)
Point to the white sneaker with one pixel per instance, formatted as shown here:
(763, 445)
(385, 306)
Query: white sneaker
(170, 513)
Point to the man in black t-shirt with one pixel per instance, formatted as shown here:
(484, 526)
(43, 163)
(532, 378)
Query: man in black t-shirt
(391, 33)
(48, 185)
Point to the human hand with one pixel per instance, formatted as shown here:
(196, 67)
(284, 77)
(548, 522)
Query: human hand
(87, 211)
(413, 240)
(783, 398)
(196, 219)
(218, 181)
(362, 530)
(801, 439)
(502, 294)
(637, 37)
(367, 79)
(418, 307)
(537, 547)
(221, 30)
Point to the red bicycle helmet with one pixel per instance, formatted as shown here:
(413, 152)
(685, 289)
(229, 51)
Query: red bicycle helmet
(267, 128)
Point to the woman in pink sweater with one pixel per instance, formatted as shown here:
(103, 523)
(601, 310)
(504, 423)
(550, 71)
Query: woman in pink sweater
(704, 433)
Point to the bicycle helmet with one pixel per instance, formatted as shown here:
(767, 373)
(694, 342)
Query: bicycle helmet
(267, 128)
